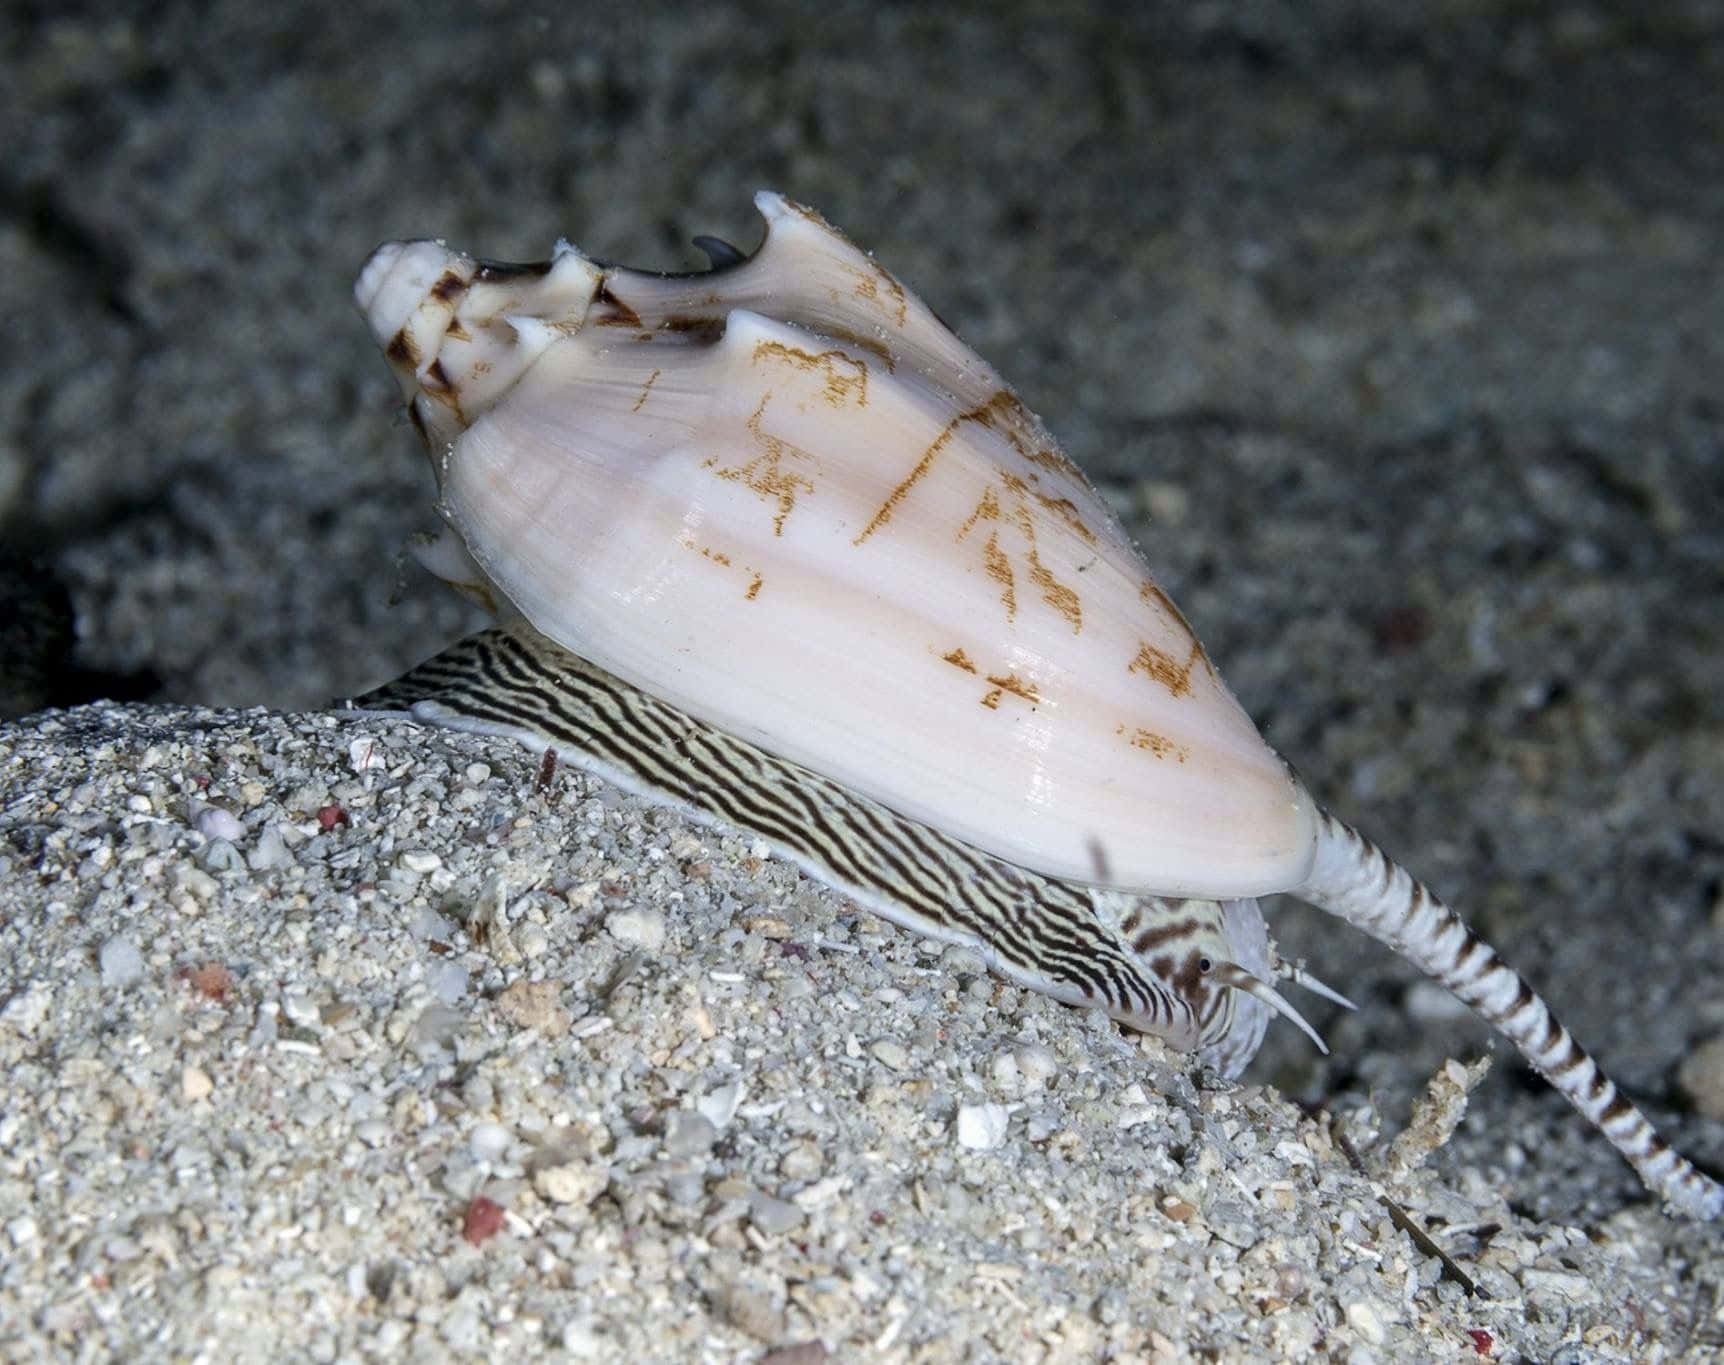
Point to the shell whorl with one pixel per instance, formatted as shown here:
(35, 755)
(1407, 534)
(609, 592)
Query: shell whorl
(1146, 961)
(785, 498)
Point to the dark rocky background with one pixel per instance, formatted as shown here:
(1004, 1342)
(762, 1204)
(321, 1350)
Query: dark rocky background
(1396, 332)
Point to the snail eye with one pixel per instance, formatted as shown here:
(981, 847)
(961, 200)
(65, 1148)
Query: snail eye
(1205, 966)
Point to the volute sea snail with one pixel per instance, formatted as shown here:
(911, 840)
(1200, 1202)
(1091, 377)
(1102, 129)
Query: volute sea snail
(771, 543)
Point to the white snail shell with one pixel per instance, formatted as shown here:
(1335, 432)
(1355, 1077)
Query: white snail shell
(777, 511)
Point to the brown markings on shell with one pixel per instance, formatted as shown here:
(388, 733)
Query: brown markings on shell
(646, 388)
(841, 389)
(1006, 414)
(620, 314)
(1016, 686)
(883, 513)
(997, 564)
(868, 288)
(1162, 667)
(999, 568)
(435, 384)
(1003, 413)
(1056, 594)
(765, 473)
(1066, 510)
(449, 287)
(480, 593)
(719, 557)
(701, 329)
(875, 348)
(403, 350)
(1000, 685)
(1151, 595)
(1159, 745)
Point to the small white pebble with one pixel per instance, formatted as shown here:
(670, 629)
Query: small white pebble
(435, 1028)
(574, 1183)
(1037, 1064)
(477, 773)
(718, 1106)
(447, 980)
(121, 962)
(195, 1083)
(372, 1132)
(219, 855)
(773, 1217)
(139, 804)
(366, 754)
(821, 1192)
(1367, 1322)
(419, 860)
(982, 1127)
(428, 923)
(802, 1162)
(889, 1054)
(214, 822)
(643, 927)
(687, 1134)
(196, 881)
(488, 1141)
(270, 851)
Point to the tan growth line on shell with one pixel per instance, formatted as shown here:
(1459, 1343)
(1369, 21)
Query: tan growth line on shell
(1009, 682)
(999, 568)
(765, 473)
(1056, 594)
(1148, 592)
(1066, 510)
(868, 288)
(840, 388)
(1159, 665)
(1059, 596)
(1159, 745)
(646, 388)
(883, 513)
(688, 542)
(1006, 414)
(877, 349)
